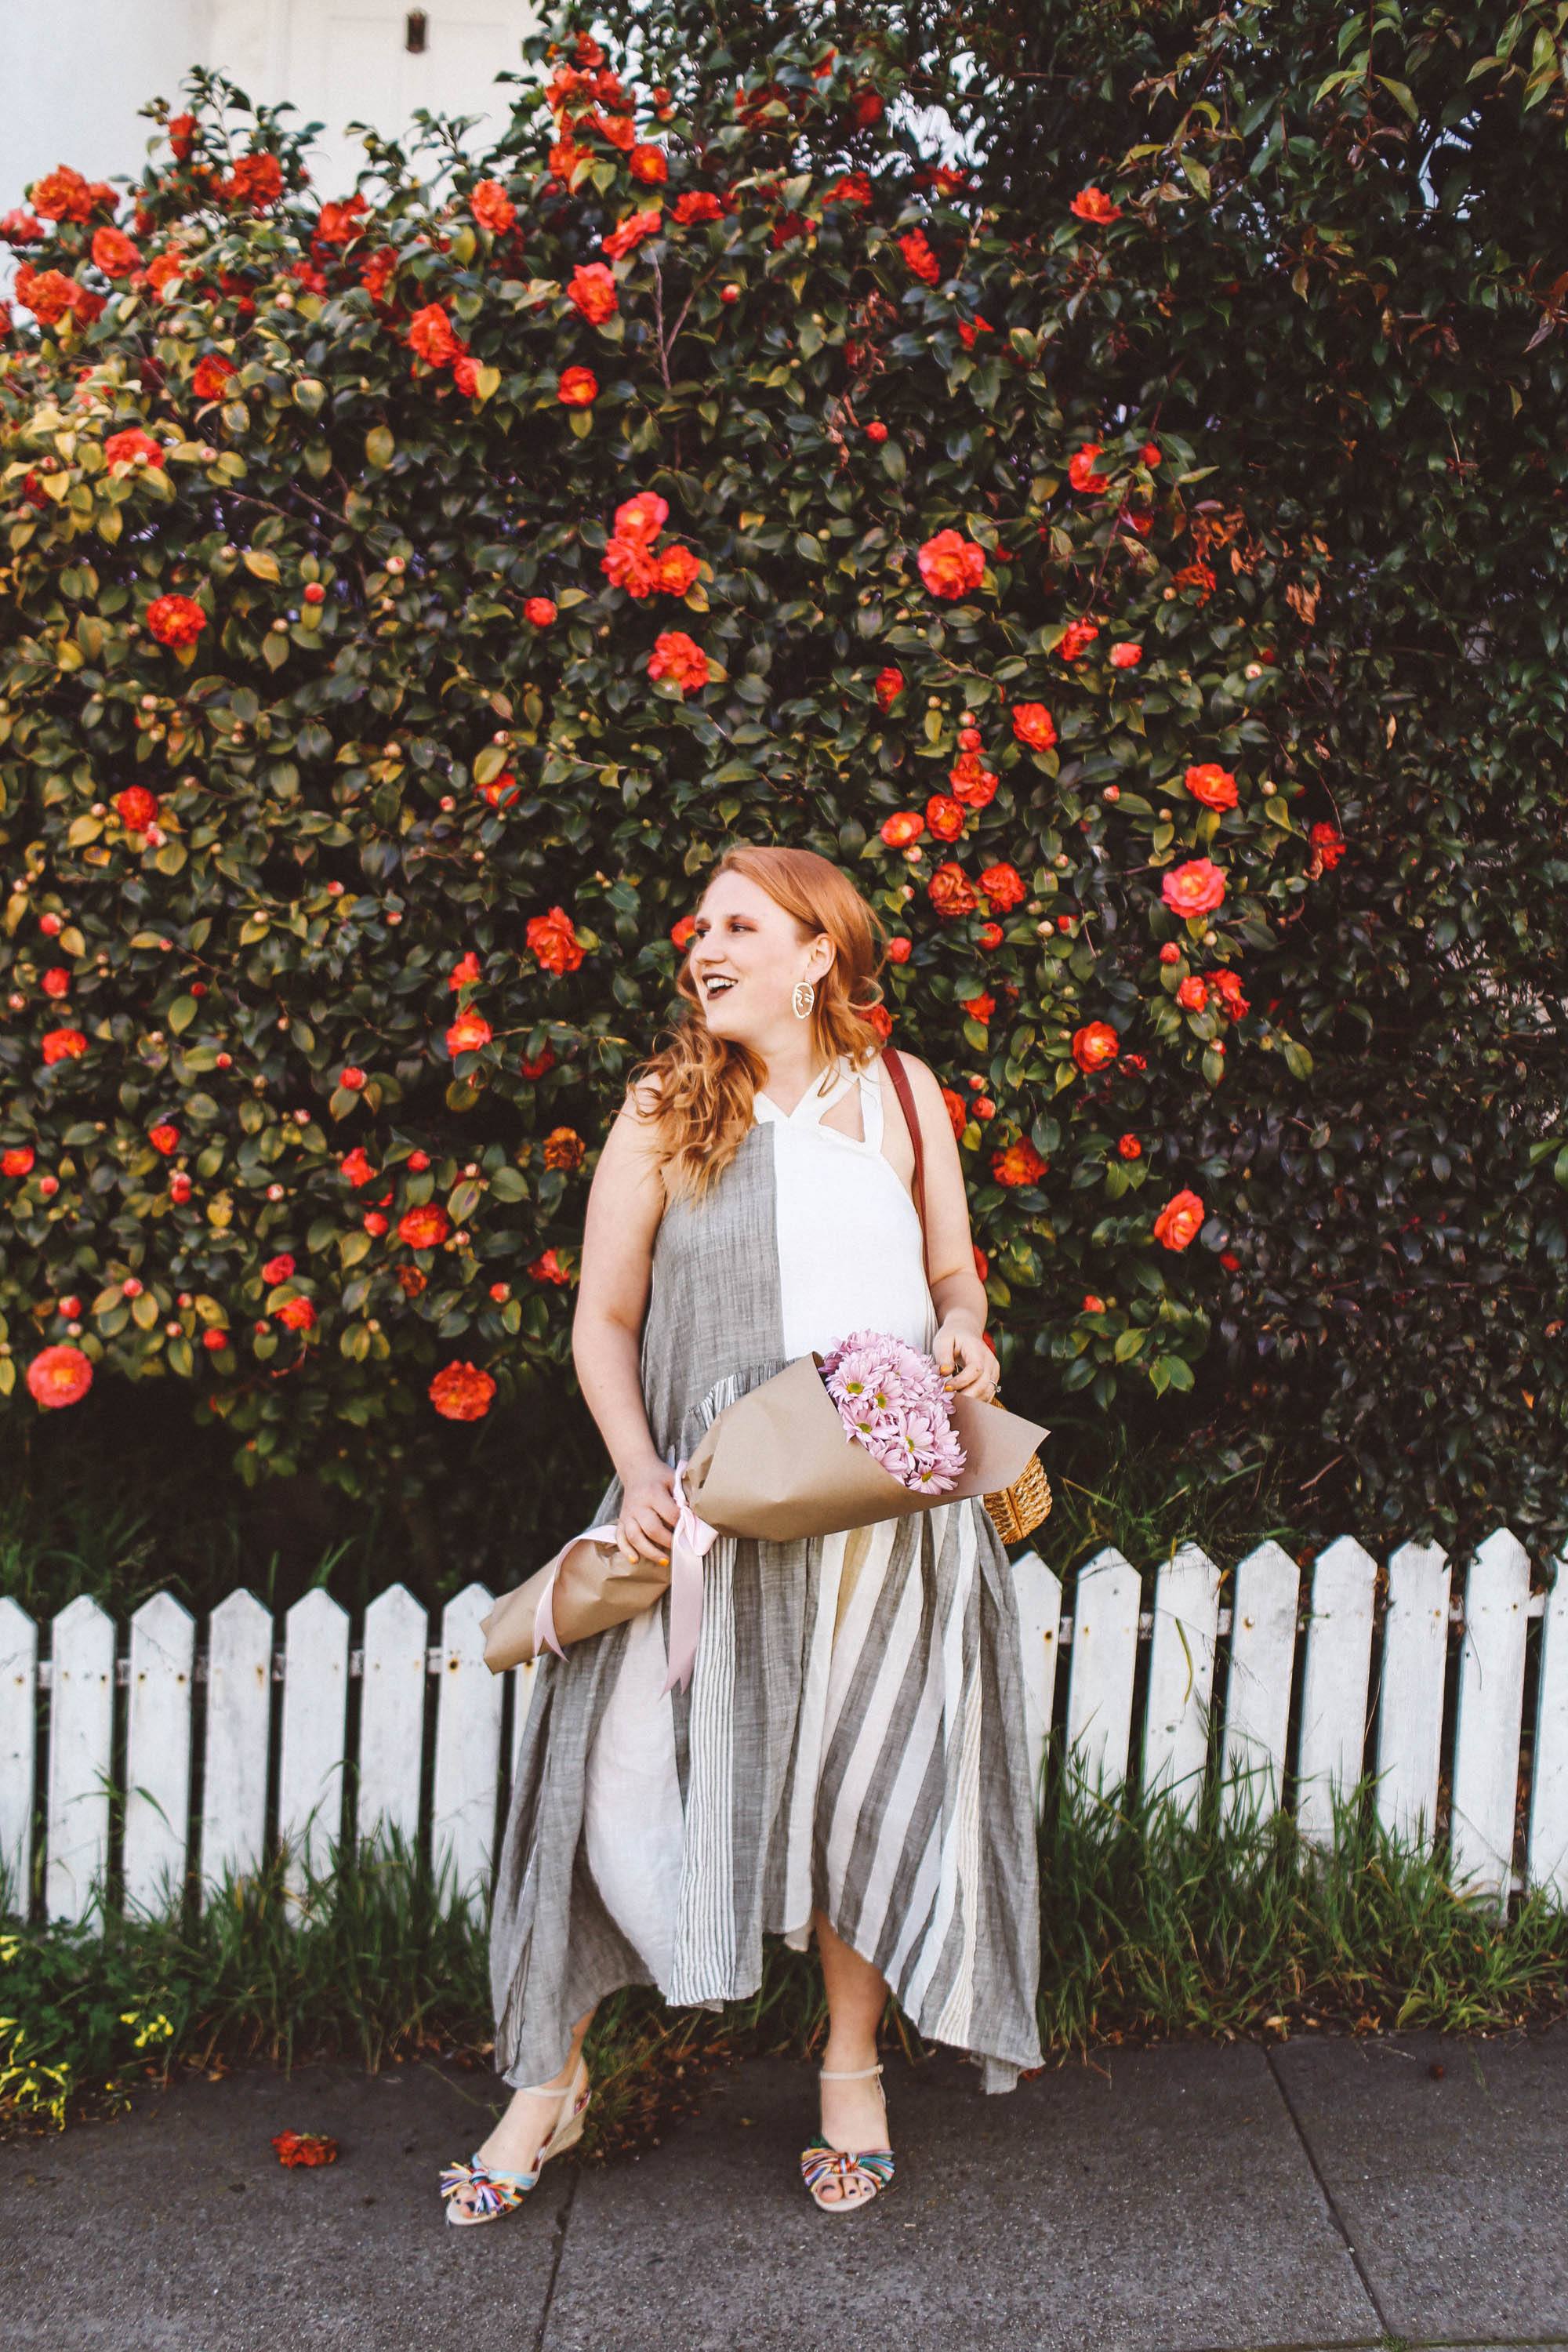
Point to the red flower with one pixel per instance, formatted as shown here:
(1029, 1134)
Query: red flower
(175, 620)
(1179, 1221)
(979, 1008)
(539, 611)
(990, 935)
(182, 135)
(305, 2148)
(297, 1314)
(114, 253)
(697, 205)
(1327, 844)
(340, 224)
(164, 1138)
(48, 293)
(591, 290)
(899, 829)
(464, 970)
(1195, 575)
(917, 252)
(1191, 994)
(951, 564)
(467, 1032)
(493, 207)
(627, 564)
(552, 939)
(461, 1392)
(630, 234)
(967, 333)
(59, 1375)
(945, 816)
(1215, 786)
(212, 373)
(63, 1045)
(1092, 1303)
(675, 568)
(357, 1167)
(63, 194)
(137, 807)
(500, 789)
(676, 656)
(951, 890)
(18, 1160)
(1019, 1164)
(424, 1227)
(125, 447)
(957, 1109)
(649, 164)
(899, 947)
(1081, 471)
(1193, 888)
(1129, 1147)
(466, 375)
(277, 1269)
(680, 933)
(1095, 1045)
(972, 783)
(549, 1268)
(430, 336)
(642, 517)
(1093, 204)
(1033, 725)
(534, 1065)
(1126, 655)
(1003, 886)
(255, 179)
(888, 686)
(578, 387)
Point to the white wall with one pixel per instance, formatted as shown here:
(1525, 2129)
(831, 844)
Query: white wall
(74, 72)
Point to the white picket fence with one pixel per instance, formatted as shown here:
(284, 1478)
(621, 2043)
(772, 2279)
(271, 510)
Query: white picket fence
(1369, 1656)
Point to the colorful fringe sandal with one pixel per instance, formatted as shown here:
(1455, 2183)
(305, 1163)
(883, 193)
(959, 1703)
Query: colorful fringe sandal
(494, 2191)
(820, 2164)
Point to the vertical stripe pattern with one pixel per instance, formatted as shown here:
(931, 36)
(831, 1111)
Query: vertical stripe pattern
(852, 1740)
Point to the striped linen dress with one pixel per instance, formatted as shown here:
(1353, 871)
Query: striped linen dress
(853, 1736)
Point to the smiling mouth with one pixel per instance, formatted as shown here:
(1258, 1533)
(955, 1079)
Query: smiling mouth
(714, 989)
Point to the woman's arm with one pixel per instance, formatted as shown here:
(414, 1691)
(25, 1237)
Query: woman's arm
(957, 1292)
(625, 1202)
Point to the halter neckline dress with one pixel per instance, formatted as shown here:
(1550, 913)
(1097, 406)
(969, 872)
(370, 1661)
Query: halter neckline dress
(852, 1738)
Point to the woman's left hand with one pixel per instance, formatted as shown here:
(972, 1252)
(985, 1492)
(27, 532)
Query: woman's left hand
(965, 1359)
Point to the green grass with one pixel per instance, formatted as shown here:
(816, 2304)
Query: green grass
(1153, 1927)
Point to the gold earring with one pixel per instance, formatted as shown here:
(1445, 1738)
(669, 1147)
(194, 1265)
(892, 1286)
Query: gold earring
(802, 1010)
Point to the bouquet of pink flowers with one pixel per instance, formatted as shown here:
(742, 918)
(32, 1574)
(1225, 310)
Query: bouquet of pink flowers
(835, 1442)
(891, 1396)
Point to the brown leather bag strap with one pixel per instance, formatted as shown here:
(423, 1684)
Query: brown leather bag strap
(899, 1077)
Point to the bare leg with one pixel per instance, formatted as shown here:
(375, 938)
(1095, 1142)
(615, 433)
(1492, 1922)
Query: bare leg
(528, 2122)
(853, 2115)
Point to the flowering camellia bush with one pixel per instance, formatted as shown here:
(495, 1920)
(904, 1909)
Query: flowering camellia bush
(409, 594)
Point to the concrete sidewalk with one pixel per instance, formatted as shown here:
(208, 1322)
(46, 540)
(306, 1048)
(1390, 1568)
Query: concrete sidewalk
(1410, 2191)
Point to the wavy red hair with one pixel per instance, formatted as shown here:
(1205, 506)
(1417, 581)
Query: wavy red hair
(707, 1084)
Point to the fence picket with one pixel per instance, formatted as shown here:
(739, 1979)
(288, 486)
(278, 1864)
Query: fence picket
(81, 1748)
(1336, 1677)
(1547, 1863)
(1266, 1592)
(466, 1726)
(391, 1715)
(1039, 1598)
(158, 1756)
(521, 1701)
(235, 1751)
(1410, 1701)
(468, 1747)
(18, 1752)
(315, 1713)
(1489, 1715)
(1181, 1675)
(1104, 1660)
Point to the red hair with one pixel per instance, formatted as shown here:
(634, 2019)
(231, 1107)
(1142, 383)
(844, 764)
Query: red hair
(707, 1083)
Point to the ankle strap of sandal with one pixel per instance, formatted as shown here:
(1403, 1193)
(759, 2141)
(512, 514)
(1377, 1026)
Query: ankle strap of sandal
(855, 2074)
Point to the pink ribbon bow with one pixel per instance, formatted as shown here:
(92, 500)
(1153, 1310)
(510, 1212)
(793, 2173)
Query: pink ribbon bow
(692, 1537)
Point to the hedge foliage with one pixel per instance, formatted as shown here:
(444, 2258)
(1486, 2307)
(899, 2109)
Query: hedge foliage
(710, 462)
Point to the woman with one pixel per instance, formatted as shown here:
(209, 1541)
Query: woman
(849, 1758)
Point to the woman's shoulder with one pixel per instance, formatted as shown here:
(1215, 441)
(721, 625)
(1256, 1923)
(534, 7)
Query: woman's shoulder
(923, 1080)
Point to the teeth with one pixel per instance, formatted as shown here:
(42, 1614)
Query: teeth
(716, 987)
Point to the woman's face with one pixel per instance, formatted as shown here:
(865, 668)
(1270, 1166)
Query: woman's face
(748, 938)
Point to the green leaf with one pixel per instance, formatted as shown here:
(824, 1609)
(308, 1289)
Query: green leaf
(379, 447)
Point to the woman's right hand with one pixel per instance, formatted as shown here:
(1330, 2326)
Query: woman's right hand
(645, 1525)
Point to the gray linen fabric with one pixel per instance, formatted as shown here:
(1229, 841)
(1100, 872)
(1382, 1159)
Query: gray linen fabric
(921, 1831)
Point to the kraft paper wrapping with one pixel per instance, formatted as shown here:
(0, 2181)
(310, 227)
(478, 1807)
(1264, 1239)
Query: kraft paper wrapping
(778, 1465)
